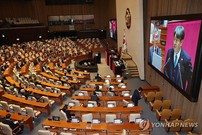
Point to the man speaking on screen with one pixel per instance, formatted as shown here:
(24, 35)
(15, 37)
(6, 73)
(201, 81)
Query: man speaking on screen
(178, 67)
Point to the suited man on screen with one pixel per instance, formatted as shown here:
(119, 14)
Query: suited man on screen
(178, 67)
(154, 48)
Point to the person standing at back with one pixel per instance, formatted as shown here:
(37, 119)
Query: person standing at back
(136, 96)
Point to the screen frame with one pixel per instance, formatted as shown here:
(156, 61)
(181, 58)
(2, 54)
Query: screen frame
(197, 73)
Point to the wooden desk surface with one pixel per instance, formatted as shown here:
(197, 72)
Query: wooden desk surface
(136, 109)
(81, 72)
(84, 125)
(75, 76)
(15, 116)
(105, 89)
(150, 87)
(49, 76)
(103, 98)
(25, 68)
(12, 81)
(55, 96)
(102, 83)
(44, 107)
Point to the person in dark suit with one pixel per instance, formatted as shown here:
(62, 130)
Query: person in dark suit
(94, 97)
(67, 112)
(136, 96)
(154, 48)
(17, 128)
(98, 78)
(178, 66)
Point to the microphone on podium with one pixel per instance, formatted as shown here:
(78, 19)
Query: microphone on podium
(167, 62)
(180, 75)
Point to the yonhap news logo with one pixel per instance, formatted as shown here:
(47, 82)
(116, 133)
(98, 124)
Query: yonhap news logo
(144, 124)
(174, 124)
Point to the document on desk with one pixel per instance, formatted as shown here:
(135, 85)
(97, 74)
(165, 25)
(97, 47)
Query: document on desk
(157, 61)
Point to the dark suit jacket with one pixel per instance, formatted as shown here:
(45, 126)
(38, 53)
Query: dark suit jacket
(94, 98)
(10, 123)
(136, 96)
(151, 50)
(182, 73)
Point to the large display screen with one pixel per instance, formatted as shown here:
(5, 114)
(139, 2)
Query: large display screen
(113, 29)
(175, 51)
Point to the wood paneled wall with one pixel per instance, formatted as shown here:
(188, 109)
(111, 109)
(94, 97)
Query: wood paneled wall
(164, 8)
(103, 10)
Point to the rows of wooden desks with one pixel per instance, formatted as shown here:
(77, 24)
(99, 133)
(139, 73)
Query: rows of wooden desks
(84, 126)
(43, 107)
(105, 90)
(103, 99)
(28, 122)
(55, 96)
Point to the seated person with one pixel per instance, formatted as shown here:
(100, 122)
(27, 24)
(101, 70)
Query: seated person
(69, 70)
(16, 127)
(111, 90)
(98, 88)
(121, 84)
(94, 97)
(98, 78)
(67, 112)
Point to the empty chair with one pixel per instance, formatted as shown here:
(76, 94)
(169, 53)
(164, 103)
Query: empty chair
(111, 103)
(48, 89)
(32, 85)
(125, 93)
(110, 94)
(59, 91)
(46, 132)
(17, 109)
(63, 115)
(39, 87)
(158, 96)
(85, 93)
(58, 83)
(51, 81)
(176, 114)
(166, 104)
(93, 102)
(190, 124)
(5, 105)
(124, 132)
(169, 125)
(47, 100)
(76, 102)
(133, 116)
(87, 117)
(64, 133)
(31, 112)
(156, 105)
(98, 93)
(164, 114)
(92, 85)
(149, 96)
(109, 118)
(125, 103)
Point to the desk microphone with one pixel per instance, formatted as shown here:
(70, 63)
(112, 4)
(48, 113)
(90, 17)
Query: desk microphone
(167, 62)
(180, 75)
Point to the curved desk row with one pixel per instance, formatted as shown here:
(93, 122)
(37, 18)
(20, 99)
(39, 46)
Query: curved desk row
(28, 122)
(43, 107)
(84, 126)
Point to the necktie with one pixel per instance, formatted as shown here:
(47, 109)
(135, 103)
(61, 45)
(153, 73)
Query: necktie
(175, 62)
